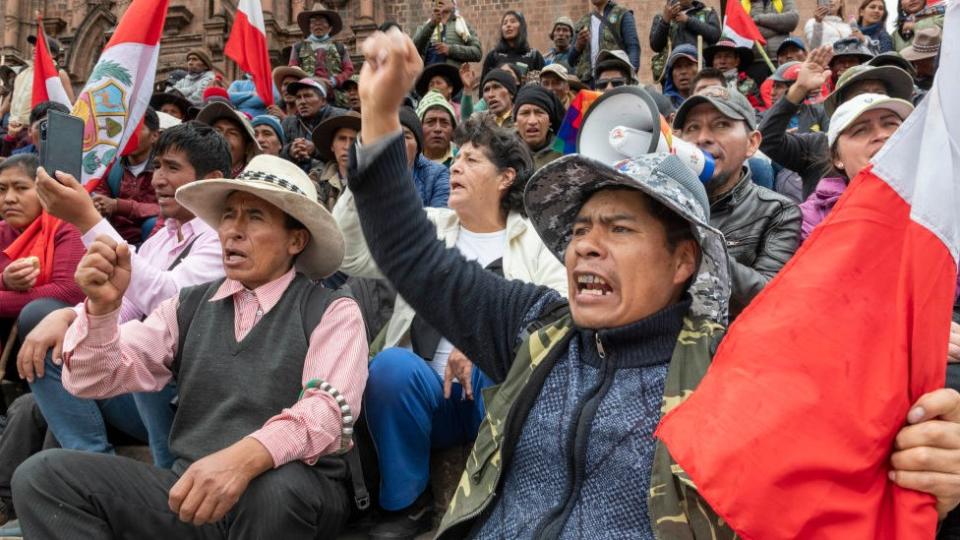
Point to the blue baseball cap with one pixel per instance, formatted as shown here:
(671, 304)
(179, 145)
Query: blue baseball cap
(795, 41)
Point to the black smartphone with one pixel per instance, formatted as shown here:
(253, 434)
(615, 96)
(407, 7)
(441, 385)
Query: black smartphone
(61, 144)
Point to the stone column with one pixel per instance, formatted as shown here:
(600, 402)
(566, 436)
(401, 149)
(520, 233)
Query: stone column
(366, 23)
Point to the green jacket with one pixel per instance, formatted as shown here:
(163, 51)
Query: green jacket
(460, 50)
(676, 510)
(611, 38)
(899, 43)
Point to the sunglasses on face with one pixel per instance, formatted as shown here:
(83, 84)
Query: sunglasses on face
(603, 84)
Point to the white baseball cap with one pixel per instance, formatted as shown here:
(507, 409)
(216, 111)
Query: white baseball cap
(851, 110)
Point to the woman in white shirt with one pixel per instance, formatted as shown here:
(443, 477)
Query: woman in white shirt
(827, 25)
(412, 402)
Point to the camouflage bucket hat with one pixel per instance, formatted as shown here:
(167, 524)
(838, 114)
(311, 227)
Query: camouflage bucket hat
(555, 194)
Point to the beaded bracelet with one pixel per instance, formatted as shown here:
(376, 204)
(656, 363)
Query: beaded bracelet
(346, 415)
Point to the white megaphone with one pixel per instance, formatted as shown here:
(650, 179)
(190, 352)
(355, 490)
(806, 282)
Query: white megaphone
(625, 123)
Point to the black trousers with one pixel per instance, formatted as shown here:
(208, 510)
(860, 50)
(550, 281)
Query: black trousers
(70, 494)
(25, 435)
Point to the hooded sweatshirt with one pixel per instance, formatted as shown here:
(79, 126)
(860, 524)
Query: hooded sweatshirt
(820, 203)
(669, 87)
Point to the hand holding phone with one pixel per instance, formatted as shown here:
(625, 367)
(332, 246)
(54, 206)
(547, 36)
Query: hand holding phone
(61, 143)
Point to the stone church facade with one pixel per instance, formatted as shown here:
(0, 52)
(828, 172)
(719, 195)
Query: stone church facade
(85, 26)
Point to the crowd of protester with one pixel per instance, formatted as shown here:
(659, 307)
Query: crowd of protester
(343, 268)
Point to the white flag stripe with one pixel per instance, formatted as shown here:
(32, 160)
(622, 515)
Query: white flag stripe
(735, 37)
(254, 12)
(921, 161)
(55, 91)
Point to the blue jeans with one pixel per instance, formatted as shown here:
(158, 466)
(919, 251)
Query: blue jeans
(408, 416)
(762, 172)
(81, 424)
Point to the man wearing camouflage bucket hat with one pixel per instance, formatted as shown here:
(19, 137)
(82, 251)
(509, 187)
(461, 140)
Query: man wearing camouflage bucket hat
(566, 447)
(642, 265)
(270, 368)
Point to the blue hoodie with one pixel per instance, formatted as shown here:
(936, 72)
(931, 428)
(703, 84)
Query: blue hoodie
(669, 89)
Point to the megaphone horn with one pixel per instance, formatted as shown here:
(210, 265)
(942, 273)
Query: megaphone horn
(625, 123)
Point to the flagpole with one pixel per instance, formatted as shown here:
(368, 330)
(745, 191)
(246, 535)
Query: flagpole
(699, 52)
(763, 53)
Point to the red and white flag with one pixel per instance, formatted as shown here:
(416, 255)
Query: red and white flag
(47, 85)
(739, 27)
(119, 88)
(790, 433)
(247, 46)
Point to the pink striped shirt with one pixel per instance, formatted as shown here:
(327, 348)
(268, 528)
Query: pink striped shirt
(103, 359)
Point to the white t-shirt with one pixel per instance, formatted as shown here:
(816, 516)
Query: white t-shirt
(137, 169)
(483, 248)
(595, 22)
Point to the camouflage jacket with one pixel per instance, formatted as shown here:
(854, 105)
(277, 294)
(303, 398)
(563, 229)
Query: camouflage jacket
(676, 510)
(611, 38)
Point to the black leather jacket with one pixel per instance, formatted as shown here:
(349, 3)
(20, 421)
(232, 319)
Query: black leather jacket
(762, 230)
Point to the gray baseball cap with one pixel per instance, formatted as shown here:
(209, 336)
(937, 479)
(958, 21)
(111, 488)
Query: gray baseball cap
(729, 102)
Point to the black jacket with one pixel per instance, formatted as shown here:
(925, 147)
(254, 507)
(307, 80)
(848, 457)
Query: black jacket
(297, 127)
(762, 230)
(701, 21)
(808, 154)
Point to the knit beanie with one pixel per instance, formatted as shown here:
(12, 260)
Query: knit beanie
(503, 78)
(410, 120)
(435, 99)
(215, 93)
(540, 97)
(273, 122)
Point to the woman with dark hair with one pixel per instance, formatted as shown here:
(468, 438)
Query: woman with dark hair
(38, 255)
(412, 403)
(828, 25)
(871, 20)
(913, 16)
(513, 47)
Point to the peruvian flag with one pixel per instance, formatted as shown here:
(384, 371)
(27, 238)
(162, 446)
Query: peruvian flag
(247, 47)
(119, 88)
(790, 433)
(739, 27)
(47, 85)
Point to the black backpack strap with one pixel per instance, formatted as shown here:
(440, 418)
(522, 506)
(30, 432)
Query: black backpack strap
(312, 308)
(183, 254)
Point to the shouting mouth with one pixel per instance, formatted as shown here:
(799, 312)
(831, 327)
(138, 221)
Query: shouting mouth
(592, 285)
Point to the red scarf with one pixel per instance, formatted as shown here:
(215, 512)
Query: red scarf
(37, 240)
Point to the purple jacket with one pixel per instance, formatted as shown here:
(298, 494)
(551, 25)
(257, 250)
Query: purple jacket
(820, 203)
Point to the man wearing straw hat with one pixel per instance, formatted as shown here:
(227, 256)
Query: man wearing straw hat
(317, 54)
(270, 367)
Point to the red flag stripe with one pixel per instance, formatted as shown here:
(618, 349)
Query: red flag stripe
(247, 46)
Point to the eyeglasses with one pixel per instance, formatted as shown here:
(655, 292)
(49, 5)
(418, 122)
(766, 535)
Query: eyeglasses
(603, 84)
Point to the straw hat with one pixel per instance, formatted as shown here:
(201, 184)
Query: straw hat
(284, 185)
(925, 45)
(323, 135)
(215, 110)
(282, 72)
(336, 23)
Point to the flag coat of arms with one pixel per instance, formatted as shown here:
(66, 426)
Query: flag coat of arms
(119, 87)
(789, 435)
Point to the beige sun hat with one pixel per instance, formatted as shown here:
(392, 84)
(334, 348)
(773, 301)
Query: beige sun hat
(286, 186)
(215, 110)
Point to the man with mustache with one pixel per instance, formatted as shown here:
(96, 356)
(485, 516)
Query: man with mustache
(761, 227)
